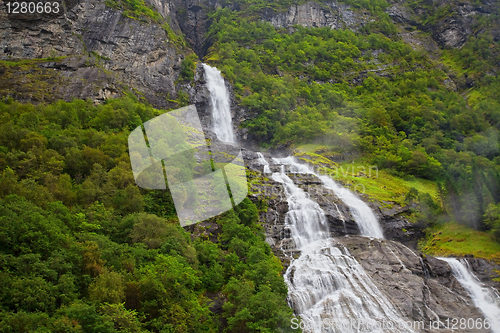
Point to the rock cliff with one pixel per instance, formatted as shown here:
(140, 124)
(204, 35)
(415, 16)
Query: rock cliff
(313, 14)
(99, 51)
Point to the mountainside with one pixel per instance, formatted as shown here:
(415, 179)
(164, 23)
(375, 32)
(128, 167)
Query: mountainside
(395, 100)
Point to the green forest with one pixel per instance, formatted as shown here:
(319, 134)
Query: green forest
(372, 93)
(83, 249)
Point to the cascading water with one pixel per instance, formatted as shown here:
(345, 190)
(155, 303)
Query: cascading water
(305, 218)
(263, 162)
(328, 288)
(221, 110)
(484, 299)
(361, 213)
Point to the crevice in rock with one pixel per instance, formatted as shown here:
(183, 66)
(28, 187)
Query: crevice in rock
(193, 20)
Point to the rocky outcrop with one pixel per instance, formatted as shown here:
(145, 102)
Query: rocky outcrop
(422, 287)
(449, 22)
(106, 53)
(313, 14)
(450, 29)
(396, 225)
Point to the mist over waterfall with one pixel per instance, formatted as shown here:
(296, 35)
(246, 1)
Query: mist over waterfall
(221, 109)
(265, 163)
(484, 298)
(361, 212)
(328, 288)
(304, 218)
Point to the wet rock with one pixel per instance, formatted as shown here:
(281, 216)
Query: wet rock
(401, 274)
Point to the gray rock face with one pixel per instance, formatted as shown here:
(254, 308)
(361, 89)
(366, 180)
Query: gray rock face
(313, 14)
(192, 18)
(421, 287)
(139, 54)
(452, 28)
(106, 51)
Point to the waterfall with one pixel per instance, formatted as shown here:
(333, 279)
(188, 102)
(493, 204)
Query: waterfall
(484, 299)
(361, 213)
(328, 288)
(221, 110)
(304, 218)
(263, 162)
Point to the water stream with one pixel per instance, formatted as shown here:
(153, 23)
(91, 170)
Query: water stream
(361, 212)
(484, 298)
(221, 108)
(328, 288)
(263, 162)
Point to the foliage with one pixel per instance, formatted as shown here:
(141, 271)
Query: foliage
(452, 239)
(188, 67)
(135, 9)
(372, 95)
(83, 249)
(492, 219)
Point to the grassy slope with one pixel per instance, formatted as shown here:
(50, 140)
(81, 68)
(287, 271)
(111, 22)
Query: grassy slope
(452, 239)
(366, 178)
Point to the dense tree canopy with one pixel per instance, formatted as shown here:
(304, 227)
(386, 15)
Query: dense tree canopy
(372, 93)
(83, 249)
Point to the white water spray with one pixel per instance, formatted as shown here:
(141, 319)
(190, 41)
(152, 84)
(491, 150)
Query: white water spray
(263, 162)
(484, 298)
(221, 111)
(328, 288)
(361, 213)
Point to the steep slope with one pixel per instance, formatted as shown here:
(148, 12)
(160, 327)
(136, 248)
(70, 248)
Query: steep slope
(408, 86)
(92, 51)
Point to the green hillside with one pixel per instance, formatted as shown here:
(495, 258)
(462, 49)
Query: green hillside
(84, 250)
(371, 94)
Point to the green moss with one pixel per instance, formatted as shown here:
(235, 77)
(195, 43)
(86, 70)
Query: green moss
(497, 279)
(98, 56)
(135, 9)
(28, 62)
(452, 239)
(174, 38)
(365, 178)
(25, 80)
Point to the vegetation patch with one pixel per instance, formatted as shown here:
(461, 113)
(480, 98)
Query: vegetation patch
(68, 196)
(135, 9)
(28, 62)
(362, 177)
(26, 80)
(452, 239)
